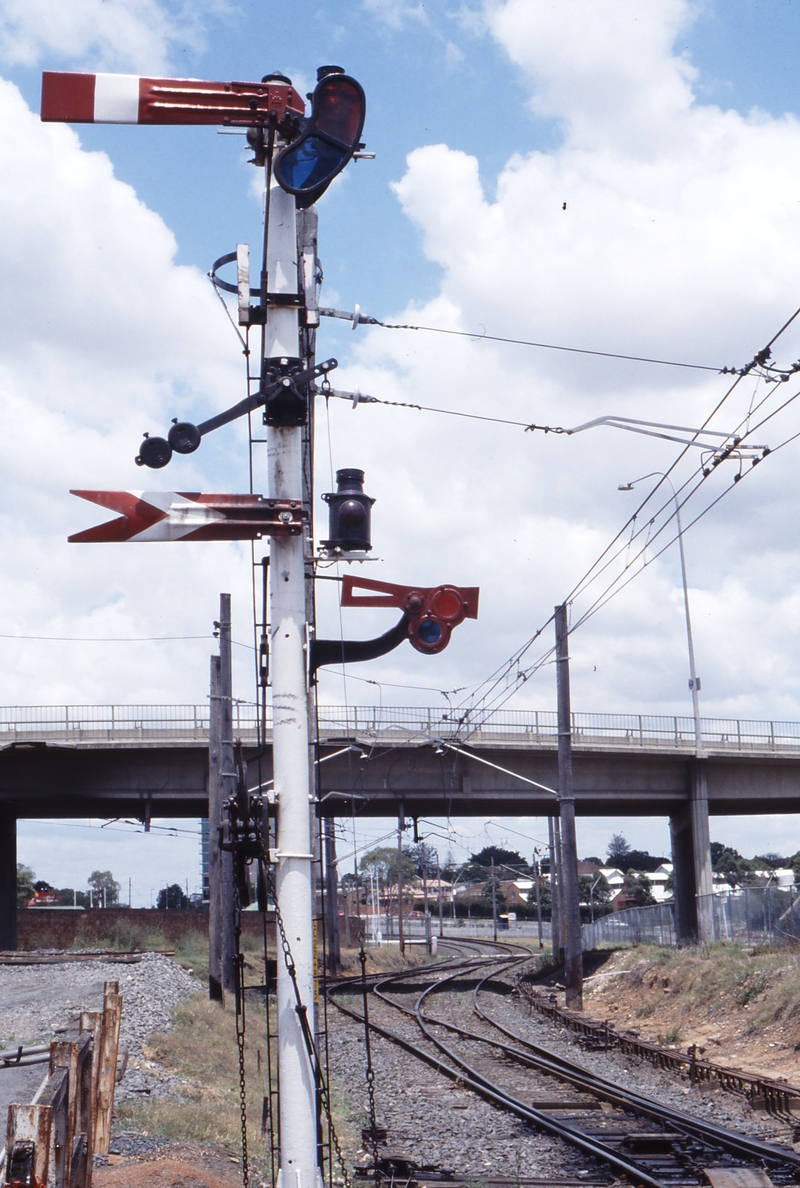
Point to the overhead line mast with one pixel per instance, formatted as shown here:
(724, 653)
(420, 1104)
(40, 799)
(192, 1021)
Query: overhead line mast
(301, 156)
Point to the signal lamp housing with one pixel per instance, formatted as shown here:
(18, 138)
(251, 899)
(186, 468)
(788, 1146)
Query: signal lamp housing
(327, 140)
(349, 514)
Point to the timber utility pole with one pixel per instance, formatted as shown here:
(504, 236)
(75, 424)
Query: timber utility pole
(566, 795)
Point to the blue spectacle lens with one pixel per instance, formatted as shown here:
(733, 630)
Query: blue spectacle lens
(311, 163)
(429, 631)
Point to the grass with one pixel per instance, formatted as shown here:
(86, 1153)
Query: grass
(201, 1049)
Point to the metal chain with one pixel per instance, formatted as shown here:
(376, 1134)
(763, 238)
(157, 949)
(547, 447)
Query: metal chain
(370, 1071)
(241, 1029)
(240, 1035)
(302, 1013)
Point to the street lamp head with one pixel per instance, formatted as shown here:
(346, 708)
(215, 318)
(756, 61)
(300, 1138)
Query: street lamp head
(625, 487)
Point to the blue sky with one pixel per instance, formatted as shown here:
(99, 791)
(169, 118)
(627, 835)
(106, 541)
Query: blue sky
(661, 124)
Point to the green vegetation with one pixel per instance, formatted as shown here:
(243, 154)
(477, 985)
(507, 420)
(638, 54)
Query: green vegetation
(715, 979)
(201, 1049)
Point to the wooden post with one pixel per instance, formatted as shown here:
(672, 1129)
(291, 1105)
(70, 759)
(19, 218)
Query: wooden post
(107, 1070)
(28, 1144)
(75, 1058)
(56, 1098)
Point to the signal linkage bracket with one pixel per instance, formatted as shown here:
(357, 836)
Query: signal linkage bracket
(429, 615)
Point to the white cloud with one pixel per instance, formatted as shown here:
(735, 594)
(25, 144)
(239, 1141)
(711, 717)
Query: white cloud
(396, 14)
(135, 35)
(673, 244)
(102, 336)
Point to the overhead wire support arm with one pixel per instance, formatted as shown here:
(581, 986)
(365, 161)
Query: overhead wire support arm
(727, 442)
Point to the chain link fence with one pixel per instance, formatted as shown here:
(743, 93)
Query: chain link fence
(751, 915)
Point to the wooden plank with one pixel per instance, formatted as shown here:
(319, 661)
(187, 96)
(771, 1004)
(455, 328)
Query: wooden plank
(737, 1177)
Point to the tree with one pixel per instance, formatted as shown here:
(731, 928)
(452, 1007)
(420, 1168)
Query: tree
(25, 884)
(639, 888)
(601, 893)
(67, 897)
(507, 862)
(717, 850)
(385, 857)
(424, 858)
(172, 897)
(618, 850)
(103, 880)
(733, 867)
(774, 861)
(493, 891)
(544, 896)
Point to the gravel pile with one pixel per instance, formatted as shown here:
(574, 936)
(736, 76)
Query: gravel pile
(431, 1122)
(36, 1001)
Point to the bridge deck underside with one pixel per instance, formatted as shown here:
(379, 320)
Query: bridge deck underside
(168, 778)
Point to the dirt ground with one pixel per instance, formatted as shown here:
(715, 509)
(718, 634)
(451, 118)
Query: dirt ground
(180, 1165)
(741, 1008)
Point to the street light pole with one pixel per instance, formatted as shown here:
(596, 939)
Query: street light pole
(694, 680)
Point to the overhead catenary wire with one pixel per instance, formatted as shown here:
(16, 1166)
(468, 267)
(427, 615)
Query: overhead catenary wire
(494, 696)
(358, 319)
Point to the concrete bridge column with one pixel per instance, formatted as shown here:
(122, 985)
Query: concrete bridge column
(691, 859)
(701, 840)
(8, 880)
(680, 828)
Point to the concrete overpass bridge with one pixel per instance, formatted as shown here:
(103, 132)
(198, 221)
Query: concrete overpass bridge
(143, 761)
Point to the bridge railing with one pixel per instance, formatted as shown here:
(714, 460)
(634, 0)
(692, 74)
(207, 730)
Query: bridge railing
(189, 723)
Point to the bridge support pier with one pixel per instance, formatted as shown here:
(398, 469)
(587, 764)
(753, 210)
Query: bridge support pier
(691, 860)
(8, 880)
(702, 853)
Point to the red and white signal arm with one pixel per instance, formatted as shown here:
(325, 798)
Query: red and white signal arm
(73, 98)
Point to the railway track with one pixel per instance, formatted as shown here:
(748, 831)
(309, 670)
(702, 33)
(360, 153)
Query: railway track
(441, 1015)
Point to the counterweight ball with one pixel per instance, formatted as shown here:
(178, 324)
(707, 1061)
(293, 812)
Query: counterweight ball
(154, 452)
(184, 437)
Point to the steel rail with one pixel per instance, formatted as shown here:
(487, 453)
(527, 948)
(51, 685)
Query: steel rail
(779, 1096)
(735, 1143)
(496, 1095)
(707, 1133)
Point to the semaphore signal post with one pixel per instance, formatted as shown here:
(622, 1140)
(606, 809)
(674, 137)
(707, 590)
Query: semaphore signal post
(301, 154)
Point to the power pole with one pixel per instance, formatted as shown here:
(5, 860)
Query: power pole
(555, 914)
(439, 885)
(332, 897)
(566, 794)
(537, 878)
(401, 824)
(428, 944)
(214, 852)
(227, 789)
(494, 901)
